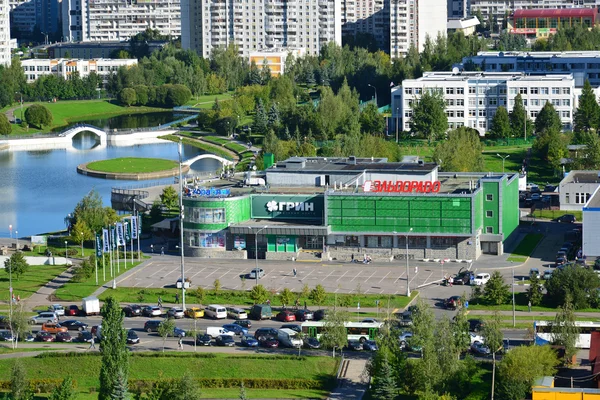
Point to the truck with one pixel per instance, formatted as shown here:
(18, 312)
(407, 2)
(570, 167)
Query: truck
(90, 306)
(288, 338)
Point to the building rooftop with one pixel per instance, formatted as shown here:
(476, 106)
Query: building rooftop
(594, 202)
(581, 177)
(350, 164)
(497, 76)
(463, 23)
(555, 12)
(539, 54)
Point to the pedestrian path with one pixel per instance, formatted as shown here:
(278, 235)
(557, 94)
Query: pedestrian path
(353, 380)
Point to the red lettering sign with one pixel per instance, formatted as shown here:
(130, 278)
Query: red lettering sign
(402, 186)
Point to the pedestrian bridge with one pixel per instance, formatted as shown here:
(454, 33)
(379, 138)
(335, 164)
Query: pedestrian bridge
(71, 132)
(208, 155)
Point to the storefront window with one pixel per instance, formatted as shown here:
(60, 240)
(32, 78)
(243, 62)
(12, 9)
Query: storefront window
(378, 241)
(239, 242)
(351, 241)
(208, 240)
(443, 242)
(205, 215)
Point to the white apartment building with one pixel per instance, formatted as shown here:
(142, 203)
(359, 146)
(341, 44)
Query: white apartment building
(34, 68)
(411, 21)
(5, 44)
(367, 16)
(255, 25)
(110, 20)
(473, 97)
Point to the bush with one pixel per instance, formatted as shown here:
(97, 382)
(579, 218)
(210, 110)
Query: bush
(146, 385)
(38, 385)
(38, 115)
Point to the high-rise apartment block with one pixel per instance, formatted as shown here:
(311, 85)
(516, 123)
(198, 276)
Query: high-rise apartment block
(255, 25)
(367, 16)
(411, 21)
(4, 32)
(108, 20)
(25, 15)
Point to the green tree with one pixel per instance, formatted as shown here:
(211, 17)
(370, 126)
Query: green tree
(460, 152)
(19, 386)
(519, 121)
(166, 328)
(564, 331)
(243, 395)
(318, 295)
(5, 126)
(287, 297)
(493, 339)
(548, 119)
(127, 96)
(496, 291)
(91, 211)
(259, 294)
(16, 265)
(384, 383)
(501, 124)
(177, 95)
(371, 121)
(429, 116)
(589, 158)
(217, 286)
(120, 389)
(19, 322)
(425, 372)
(38, 115)
(260, 123)
(115, 356)
(588, 112)
(200, 294)
(64, 391)
(80, 233)
(460, 330)
(534, 291)
(573, 283)
(169, 198)
(335, 335)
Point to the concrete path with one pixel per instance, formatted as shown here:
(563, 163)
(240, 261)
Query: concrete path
(353, 381)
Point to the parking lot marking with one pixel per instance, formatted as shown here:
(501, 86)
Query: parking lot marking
(374, 272)
(157, 271)
(227, 273)
(386, 275)
(306, 276)
(197, 273)
(356, 276)
(344, 274)
(400, 277)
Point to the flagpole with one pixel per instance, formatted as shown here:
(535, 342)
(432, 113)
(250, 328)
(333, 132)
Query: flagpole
(125, 224)
(118, 255)
(110, 251)
(139, 220)
(103, 267)
(96, 258)
(131, 239)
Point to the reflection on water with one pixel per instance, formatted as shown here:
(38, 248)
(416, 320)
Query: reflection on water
(130, 121)
(86, 140)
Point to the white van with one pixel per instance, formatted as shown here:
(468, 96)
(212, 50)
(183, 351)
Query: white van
(214, 331)
(215, 311)
(288, 338)
(236, 313)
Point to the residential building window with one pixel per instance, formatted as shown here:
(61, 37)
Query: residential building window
(472, 112)
(523, 90)
(472, 90)
(408, 91)
(472, 102)
(567, 198)
(489, 214)
(535, 102)
(460, 90)
(450, 102)
(581, 198)
(535, 90)
(460, 102)
(566, 102)
(565, 114)
(566, 90)
(481, 113)
(503, 90)
(555, 90)
(489, 229)
(555, 102)
(450, 114)
(533, 114)
(493, 101)
(544, 90)
(513, 90)
(460, 114)
(489, 197)
(449, 90)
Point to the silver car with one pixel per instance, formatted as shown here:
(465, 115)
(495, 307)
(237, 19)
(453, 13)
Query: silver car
(58, 309)
(256, 271)
(44, 317)
(175, 312)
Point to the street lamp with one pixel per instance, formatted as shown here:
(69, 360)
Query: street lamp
(407, 270)
(256, 251)
(374, 88)
(66, 254)
(10, 231)
(21, 94)
(397, 118)
(181, 226)
(17, 237)
(81, 234)
(503, 158)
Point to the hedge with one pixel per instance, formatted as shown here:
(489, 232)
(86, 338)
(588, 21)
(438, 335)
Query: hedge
(145, 385)
(38, 385)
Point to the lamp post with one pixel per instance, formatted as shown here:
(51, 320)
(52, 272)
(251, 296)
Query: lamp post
(17, 237)
(374, 88)
(81, 233)
(181, 227)
(407, 270)
(256, 251)
(21, 94)
(503, 158)
(397, 118)
(66, 254)
(10, 231)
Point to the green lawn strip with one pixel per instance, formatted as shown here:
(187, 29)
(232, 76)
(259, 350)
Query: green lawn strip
(29, 283)
(132, 165)
(215, 139)
(75, 291)
(8, 350)
(207, 101)
(552, 214)
(239, 297)
(200, 145)
(526, 247)
(238, 148)
(521, 305)
(513, 163)
(74, 251)
(250, 393)
(85, 369)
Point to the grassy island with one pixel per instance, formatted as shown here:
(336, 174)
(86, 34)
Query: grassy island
(132, 165)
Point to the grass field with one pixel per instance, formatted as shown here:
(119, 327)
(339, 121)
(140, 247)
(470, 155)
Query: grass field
(28, 283)
(239, 297)
(493, 163)
(202, 146)
(526, 247)
(132, 165)
(238, 148)
(521, 305)
(75, 291)
(86, 369)
(552, 214)
(215, 139)
(208, 100)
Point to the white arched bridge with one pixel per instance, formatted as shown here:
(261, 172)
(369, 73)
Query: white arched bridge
(71, 132)
(223, 161)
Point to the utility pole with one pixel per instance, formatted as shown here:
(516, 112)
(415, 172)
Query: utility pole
(181, 228)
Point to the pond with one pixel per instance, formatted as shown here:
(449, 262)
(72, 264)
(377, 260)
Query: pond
(130, 121)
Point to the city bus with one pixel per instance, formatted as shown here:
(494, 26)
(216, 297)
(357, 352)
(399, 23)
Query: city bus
(543, 332)
(355, 330)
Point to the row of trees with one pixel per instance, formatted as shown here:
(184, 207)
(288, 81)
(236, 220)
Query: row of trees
(166, 95)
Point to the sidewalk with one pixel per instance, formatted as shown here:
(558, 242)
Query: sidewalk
(533, 314)
(353, 381)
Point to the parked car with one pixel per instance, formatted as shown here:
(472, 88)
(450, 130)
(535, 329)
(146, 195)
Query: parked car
(370, 321)
(270, 343)
(535, 196)
(43, 336)
(152, 326)
(72, 311)
(74, 325)
(597, 264)
(49, 317)
(244, 323)
(54, 328)
(152, 311)
(264, 333)
(567, 219)
(294, 327)
(320, 315)
(304, 315)
(462, 277)
(261, 311)
(84, 337)
(453, 302)
(355, 345)
(256, 271)
(132, 310)
(204, 340)
(7, 336)
(476, 325)
(479, 349)
(475, 337)
(215, 331)
(238, 330)
(57, 309)
(285, 316)
(311, 343)
(236, 313)
(4, 322)
(64, 337)
(178, 332)
(370, 345)
(534, 272)
(175, 312)
(548, 274)
(225, 340)
(480, 279)
(249, 341)
(132, 337)
(194, 312)
(560, 261)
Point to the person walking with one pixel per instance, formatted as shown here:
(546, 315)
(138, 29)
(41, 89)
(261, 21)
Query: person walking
(450, 281)
(162, 251)
(152, 248)
(159, 301)
(92, 345)
(295, 272)
(529, 306)
(180, 343)
(352, 258)
(176, 298)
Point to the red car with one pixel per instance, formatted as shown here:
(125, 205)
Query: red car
(72, 310)
(44, 336)
(64, 337)
(286, 316)
(270, 342)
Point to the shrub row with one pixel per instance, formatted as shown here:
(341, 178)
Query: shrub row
(274, 357)
(68, 354)
(145, 385)
(38, 385)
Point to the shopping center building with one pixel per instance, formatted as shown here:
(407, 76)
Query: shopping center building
(334, 208)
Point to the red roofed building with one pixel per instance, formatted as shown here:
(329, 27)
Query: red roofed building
(544, 22)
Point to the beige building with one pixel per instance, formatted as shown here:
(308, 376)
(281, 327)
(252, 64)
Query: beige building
(34, 68)
(274, 59)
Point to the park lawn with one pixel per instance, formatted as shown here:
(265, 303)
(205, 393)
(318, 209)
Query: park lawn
(493, 163)
(552, 214)
(74, 251)
(75, 291)
(133, 165)
(215, 139)
(207, 101)
(541, 172)
(526, 247)
(85, 369)
(202, 146)
(250, 394)
(238, 148)
(242, 298)
(29, 283)
(521, 305)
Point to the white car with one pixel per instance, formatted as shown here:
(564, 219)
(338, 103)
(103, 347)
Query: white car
(480, 279)
(57, 309)
(175, 312)
(256, 271)
(475, 338)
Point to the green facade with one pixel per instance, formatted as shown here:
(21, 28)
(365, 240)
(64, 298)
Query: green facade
(491, 214)
(427, 215)
(478, 211)
(237, 209)
(282, 244)
(510, 206)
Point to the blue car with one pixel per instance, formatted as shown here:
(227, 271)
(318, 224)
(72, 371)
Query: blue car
(238, 330)
(249, 341)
